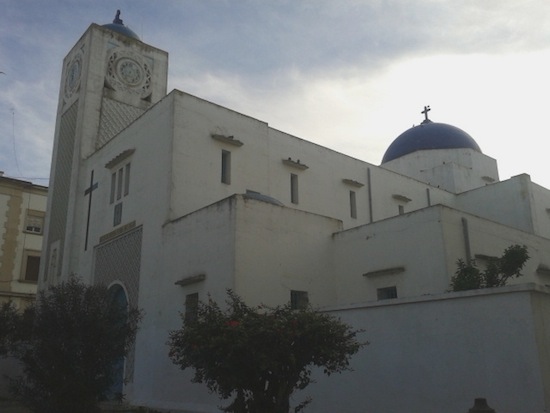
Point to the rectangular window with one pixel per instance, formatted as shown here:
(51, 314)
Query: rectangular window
(113, 187)
(386, 293)
(191, 307)
(127, 179)
(299, 300)
(31, 266)
(294, 188)
(352, 204)
(119, 183)
(226, 167)
(117, 217)
(34, 221)
(401, 209)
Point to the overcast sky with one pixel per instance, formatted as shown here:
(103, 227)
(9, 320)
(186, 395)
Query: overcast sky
(347, 74)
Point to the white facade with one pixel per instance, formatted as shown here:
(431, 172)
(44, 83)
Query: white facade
(171, 195)
(437, 354)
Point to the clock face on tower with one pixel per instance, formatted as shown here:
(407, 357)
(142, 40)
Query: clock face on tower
(128, 72)
(72, 77)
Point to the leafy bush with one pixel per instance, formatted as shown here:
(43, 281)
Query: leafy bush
(499, 270)
(8, 327)
(260, 355)
(69, 341)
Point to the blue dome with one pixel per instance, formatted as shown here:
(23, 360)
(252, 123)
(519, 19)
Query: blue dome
(429, 135)
(118, 27)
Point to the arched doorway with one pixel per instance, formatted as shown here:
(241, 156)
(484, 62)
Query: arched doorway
(118, 294)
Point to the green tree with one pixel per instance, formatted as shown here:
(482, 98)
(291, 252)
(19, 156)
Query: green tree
(499, 270)
(14, 327)
(8, 327)
(75, 333)
(260, 355)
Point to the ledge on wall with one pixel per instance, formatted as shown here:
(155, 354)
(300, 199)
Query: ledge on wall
(191, 280)
(385, 271)
(353, 182)
(295, 164)
(227, 139)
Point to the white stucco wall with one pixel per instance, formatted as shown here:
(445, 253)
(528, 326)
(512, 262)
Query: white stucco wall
(199, 243)
(258, 165)
(508, 202)
(280, 249)
(455, 170)
(147, 202)
(386, 245)
(439, 353)
(426, 244)
(427, 354)
(540, 205)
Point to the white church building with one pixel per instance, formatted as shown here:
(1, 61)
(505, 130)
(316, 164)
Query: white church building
(167, 198)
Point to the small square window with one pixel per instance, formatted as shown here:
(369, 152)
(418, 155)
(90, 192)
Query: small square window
(299, 300)
(386, 293)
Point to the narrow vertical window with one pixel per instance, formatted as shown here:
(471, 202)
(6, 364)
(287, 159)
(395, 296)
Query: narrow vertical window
(127, 179)
(113, 187)
(117, 216)
(226, 167)
(401, 209)
(294, 188)
(119, 183)
(352, 204)
(191, 307)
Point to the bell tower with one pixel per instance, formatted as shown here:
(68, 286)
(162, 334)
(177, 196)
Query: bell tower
(109, 79)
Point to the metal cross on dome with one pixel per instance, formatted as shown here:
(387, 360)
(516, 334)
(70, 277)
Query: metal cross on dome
(425, 113)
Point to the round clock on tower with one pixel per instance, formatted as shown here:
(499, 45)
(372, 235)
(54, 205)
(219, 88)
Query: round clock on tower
(128, 71)
(72, 79)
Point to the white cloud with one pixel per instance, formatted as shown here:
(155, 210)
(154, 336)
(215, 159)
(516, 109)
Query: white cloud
(499, 100)
(350, 75)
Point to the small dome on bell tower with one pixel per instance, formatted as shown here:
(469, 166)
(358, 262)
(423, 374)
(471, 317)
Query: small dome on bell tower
(119, 27)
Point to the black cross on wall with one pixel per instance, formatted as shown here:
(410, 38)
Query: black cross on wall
(88, 191)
